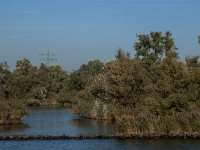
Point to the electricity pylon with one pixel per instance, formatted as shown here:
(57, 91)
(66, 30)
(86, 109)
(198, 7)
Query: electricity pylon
(48, 57)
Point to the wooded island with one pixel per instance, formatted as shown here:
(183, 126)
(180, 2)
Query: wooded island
(153, 92)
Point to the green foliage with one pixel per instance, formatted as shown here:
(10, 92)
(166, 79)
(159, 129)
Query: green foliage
(154, 46)
(80, 78)
(192, 61)
(40, 93)
(121, 55)
(98, 87)
(12, 112)
(77, 81)
(84, 104)
(24, 67)
(67, 97)
(127, 82)
(5, 77)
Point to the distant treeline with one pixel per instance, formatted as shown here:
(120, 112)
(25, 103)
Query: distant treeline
(153, 92)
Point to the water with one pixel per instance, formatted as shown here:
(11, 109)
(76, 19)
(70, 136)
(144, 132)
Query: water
(101, 145)
(57, 121)
(52, 121)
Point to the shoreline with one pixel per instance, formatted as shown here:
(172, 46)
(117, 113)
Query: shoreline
(90, 137)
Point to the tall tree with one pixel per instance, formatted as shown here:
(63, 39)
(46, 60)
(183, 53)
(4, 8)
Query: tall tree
(5, 76)
(152, 47)
(127, 82)
(23, 78)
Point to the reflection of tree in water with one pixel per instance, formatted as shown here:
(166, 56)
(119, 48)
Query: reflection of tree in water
(152, 144)
(14, 128)
(95, 126)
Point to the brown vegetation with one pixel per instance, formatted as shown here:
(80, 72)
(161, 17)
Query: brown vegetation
(11, 112)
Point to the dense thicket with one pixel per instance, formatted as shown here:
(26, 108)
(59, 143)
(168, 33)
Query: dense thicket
(153, 92)
(12, 112)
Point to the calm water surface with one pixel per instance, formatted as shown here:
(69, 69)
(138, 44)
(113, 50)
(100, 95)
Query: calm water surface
(57, 121)
(101, 145)
(53, 121)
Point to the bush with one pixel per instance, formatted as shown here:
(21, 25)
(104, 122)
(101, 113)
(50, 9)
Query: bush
(12, 113)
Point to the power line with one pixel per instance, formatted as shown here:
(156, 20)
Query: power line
(48, 57)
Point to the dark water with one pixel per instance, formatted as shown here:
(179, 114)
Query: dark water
(52, 121)
(102, 145)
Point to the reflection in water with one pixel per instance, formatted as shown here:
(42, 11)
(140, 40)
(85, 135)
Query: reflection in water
(13, 128)
(157, 144)
(102, 127)
(58, 121)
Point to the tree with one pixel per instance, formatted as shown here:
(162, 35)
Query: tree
(24, 67)
(57, 76)
(152, 47)
(3, 72)
(85, 74)
(126, 80)
(5, 77)
(23, 78)
(192, 61)
(121, 55)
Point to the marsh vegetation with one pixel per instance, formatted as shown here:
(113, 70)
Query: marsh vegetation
(152, 92)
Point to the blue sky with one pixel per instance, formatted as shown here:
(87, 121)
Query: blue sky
(81, 30)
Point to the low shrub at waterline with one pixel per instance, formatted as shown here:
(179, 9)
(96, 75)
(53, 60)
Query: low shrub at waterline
(12, 112)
